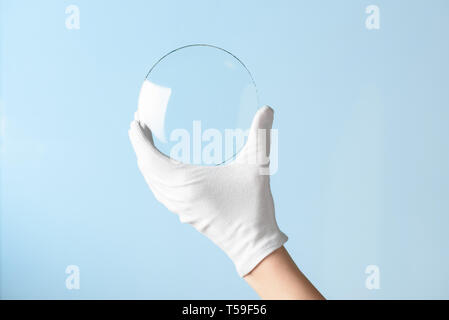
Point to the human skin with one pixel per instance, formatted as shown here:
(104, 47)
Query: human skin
(278, 278)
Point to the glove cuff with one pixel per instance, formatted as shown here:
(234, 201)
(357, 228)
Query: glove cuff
(256, 255)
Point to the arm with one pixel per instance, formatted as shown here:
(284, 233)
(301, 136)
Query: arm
(231, 204)
(278, 277)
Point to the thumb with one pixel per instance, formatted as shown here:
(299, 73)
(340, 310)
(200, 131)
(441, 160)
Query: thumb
(257, 148)
(263, 119)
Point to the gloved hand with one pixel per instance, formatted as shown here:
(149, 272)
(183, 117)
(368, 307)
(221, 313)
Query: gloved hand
(231, 203)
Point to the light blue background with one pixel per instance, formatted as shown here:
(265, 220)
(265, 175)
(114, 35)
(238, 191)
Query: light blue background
(363, 156)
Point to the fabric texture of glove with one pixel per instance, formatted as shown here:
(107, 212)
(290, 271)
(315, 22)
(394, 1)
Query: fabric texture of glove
(231, 203)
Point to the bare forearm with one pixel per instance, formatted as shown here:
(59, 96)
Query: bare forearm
(278, 277)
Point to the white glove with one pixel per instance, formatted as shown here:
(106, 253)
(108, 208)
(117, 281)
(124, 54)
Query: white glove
(231, 203)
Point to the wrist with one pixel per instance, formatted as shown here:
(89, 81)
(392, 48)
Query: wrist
(278, 277)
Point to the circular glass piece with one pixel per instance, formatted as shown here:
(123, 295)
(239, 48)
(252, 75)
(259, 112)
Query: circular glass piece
(199, 101)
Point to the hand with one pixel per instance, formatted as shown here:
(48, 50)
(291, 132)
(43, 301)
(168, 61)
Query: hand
(231, 203)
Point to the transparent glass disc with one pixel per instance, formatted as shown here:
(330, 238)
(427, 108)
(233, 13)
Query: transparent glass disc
(199, 101)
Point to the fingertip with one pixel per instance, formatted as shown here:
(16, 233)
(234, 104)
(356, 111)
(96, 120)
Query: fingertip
(135, 126)
(263, 118)
(135, 131)
(267, 108)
